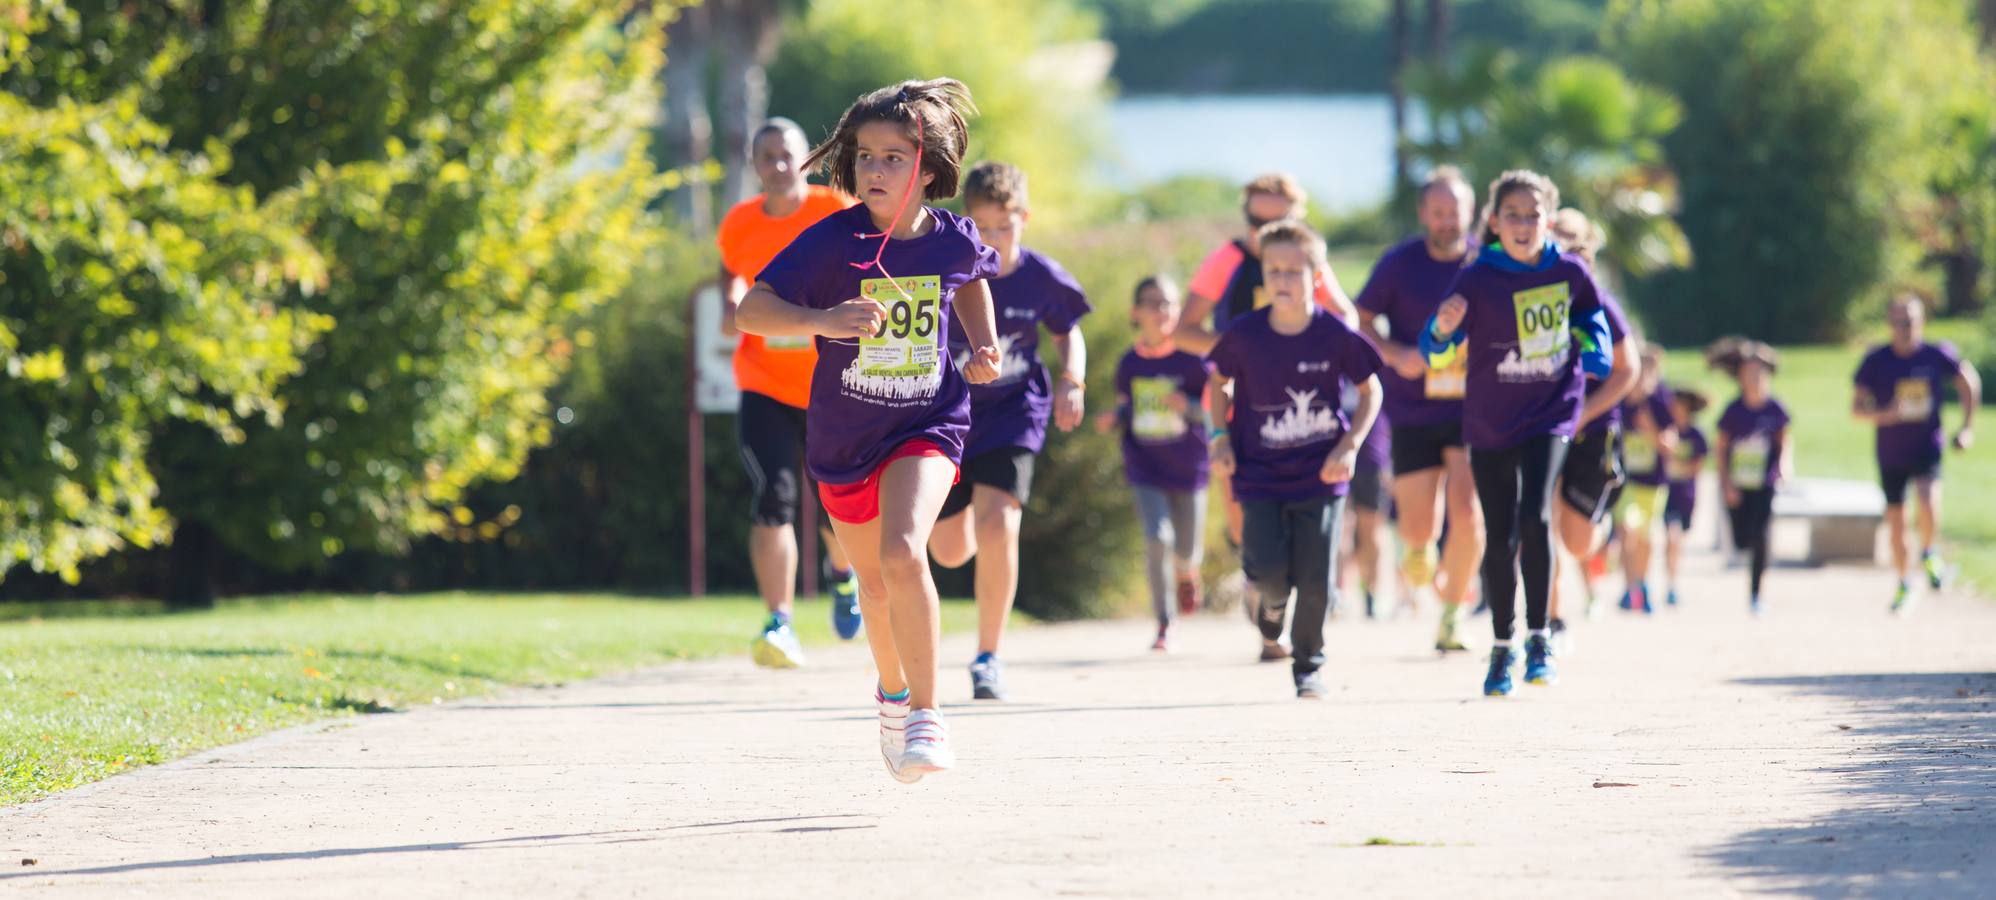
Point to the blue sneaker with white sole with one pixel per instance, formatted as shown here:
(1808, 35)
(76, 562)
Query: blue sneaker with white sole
(845, 607)
(1498, 682)
(1538, 661)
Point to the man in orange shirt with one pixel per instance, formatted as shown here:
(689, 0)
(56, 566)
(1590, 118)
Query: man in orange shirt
(774, 375)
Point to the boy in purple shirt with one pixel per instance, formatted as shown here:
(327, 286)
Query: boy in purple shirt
(875, 285)
(1515, 312)
(1424, 406)
(1753, 450)
(1685, 463)
(1008, 417)
(1900, 388)
(1278, 374)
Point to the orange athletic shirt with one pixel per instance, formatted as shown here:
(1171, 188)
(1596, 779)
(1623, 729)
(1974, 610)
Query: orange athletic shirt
(778, 368)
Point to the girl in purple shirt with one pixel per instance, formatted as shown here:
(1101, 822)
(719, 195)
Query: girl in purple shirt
(1753, 451)
(875, 285)
(1529, 317)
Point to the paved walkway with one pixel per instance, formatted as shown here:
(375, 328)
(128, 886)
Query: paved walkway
(1825, 750)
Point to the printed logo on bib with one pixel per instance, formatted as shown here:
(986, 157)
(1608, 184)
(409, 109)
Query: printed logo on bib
(1750, 457)
(1913, 398)
(1153, 417)
(1639, 454)
(1303, 421)
(902, 361)
(1545, 346)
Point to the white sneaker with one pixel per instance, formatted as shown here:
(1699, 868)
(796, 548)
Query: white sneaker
(926, 746)
(893, 737)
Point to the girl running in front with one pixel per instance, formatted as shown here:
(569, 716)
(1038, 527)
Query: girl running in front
(1008, 417)
(889, 412)
(1286, 442)
(1685, 464)
(1753, 452)
(1158, 391)
(1649, 439)
(1514, 312)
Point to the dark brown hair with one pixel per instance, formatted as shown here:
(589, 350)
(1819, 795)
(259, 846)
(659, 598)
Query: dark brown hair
(1293, 231)
(1728, 353)
(1694, 401)
(1164, 285)
(1512, 182)
(997, 184)
(939, 105)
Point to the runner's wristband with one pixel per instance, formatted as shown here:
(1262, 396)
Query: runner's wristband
(1216, 433)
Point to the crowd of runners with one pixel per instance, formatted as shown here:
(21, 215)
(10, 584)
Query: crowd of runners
(1483, 393)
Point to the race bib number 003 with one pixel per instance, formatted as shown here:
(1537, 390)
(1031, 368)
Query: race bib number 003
(906, 345)
(1542, 321)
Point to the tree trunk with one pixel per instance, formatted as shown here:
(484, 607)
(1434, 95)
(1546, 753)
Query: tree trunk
(1438, 13)
(688, 131)
(747, 33)
(191, 569)
(1398, 85)
(1989, 24)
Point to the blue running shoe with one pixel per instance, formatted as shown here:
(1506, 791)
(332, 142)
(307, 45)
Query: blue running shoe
(1538, 661)
(845, 607)
(1670, 598)
(1498, 682)
(987, 678)
(1628, 600)
(777, 647)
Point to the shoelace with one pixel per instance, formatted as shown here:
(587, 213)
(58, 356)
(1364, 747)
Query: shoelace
(887, 235)
(924, 730)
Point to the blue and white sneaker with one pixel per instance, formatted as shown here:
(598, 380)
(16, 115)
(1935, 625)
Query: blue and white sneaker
(845, 607)
(777, 647)
(987, 678)
(1539, 668)
(1498, 682)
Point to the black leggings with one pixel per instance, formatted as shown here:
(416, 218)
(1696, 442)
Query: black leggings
(1515, 488)
(1751, 520)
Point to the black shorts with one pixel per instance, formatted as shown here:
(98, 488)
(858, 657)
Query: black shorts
(771, 436)
(1894, 480)
(1591, 480)
(1418, 448)
(1369, 486)
(1009, 469)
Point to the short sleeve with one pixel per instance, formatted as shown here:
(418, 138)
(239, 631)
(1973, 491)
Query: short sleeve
(1218, 269)
(1948, 352)
(1224, 357)
(1377, 295)
(1068, 303)
(1862, 377)
(1361, 358)
(796, 274)
(1586, 292)
(986, 263)
(1781, 412)
(1618, 323)
(1123, 374)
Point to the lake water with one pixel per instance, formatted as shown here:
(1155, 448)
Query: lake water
(1339, 146)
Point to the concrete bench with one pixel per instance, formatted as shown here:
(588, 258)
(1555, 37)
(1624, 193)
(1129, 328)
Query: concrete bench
(1843, 517)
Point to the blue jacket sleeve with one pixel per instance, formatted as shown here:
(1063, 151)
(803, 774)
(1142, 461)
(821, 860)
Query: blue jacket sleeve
(1597, 348)
(1440, 353)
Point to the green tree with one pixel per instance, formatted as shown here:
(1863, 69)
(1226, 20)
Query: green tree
(137, 291)
(1810, 152)
(474, 175)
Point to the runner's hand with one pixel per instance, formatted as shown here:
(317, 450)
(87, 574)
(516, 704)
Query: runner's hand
(1449, 318)
(1733, 498)
(1964, 439)
(982, 366)
(1067, 406)
(1339, 465)
(855, 318)
(1407, 363)
(1221, 451)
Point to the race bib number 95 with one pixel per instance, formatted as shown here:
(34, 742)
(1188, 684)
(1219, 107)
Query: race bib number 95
(906, 344)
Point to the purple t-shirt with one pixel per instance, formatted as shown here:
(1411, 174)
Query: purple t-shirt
(1642, 459)
(1287, 415)
(1524, 367)
(873, 395)
(1618, 329)
(1162, 447)
(1012, 411)
(1914, 386)
(1754, 452)
(1407, 286)
(1691, 448)
(1378, 446)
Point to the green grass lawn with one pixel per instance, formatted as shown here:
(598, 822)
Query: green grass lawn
(1815, 385)
(90, 691)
